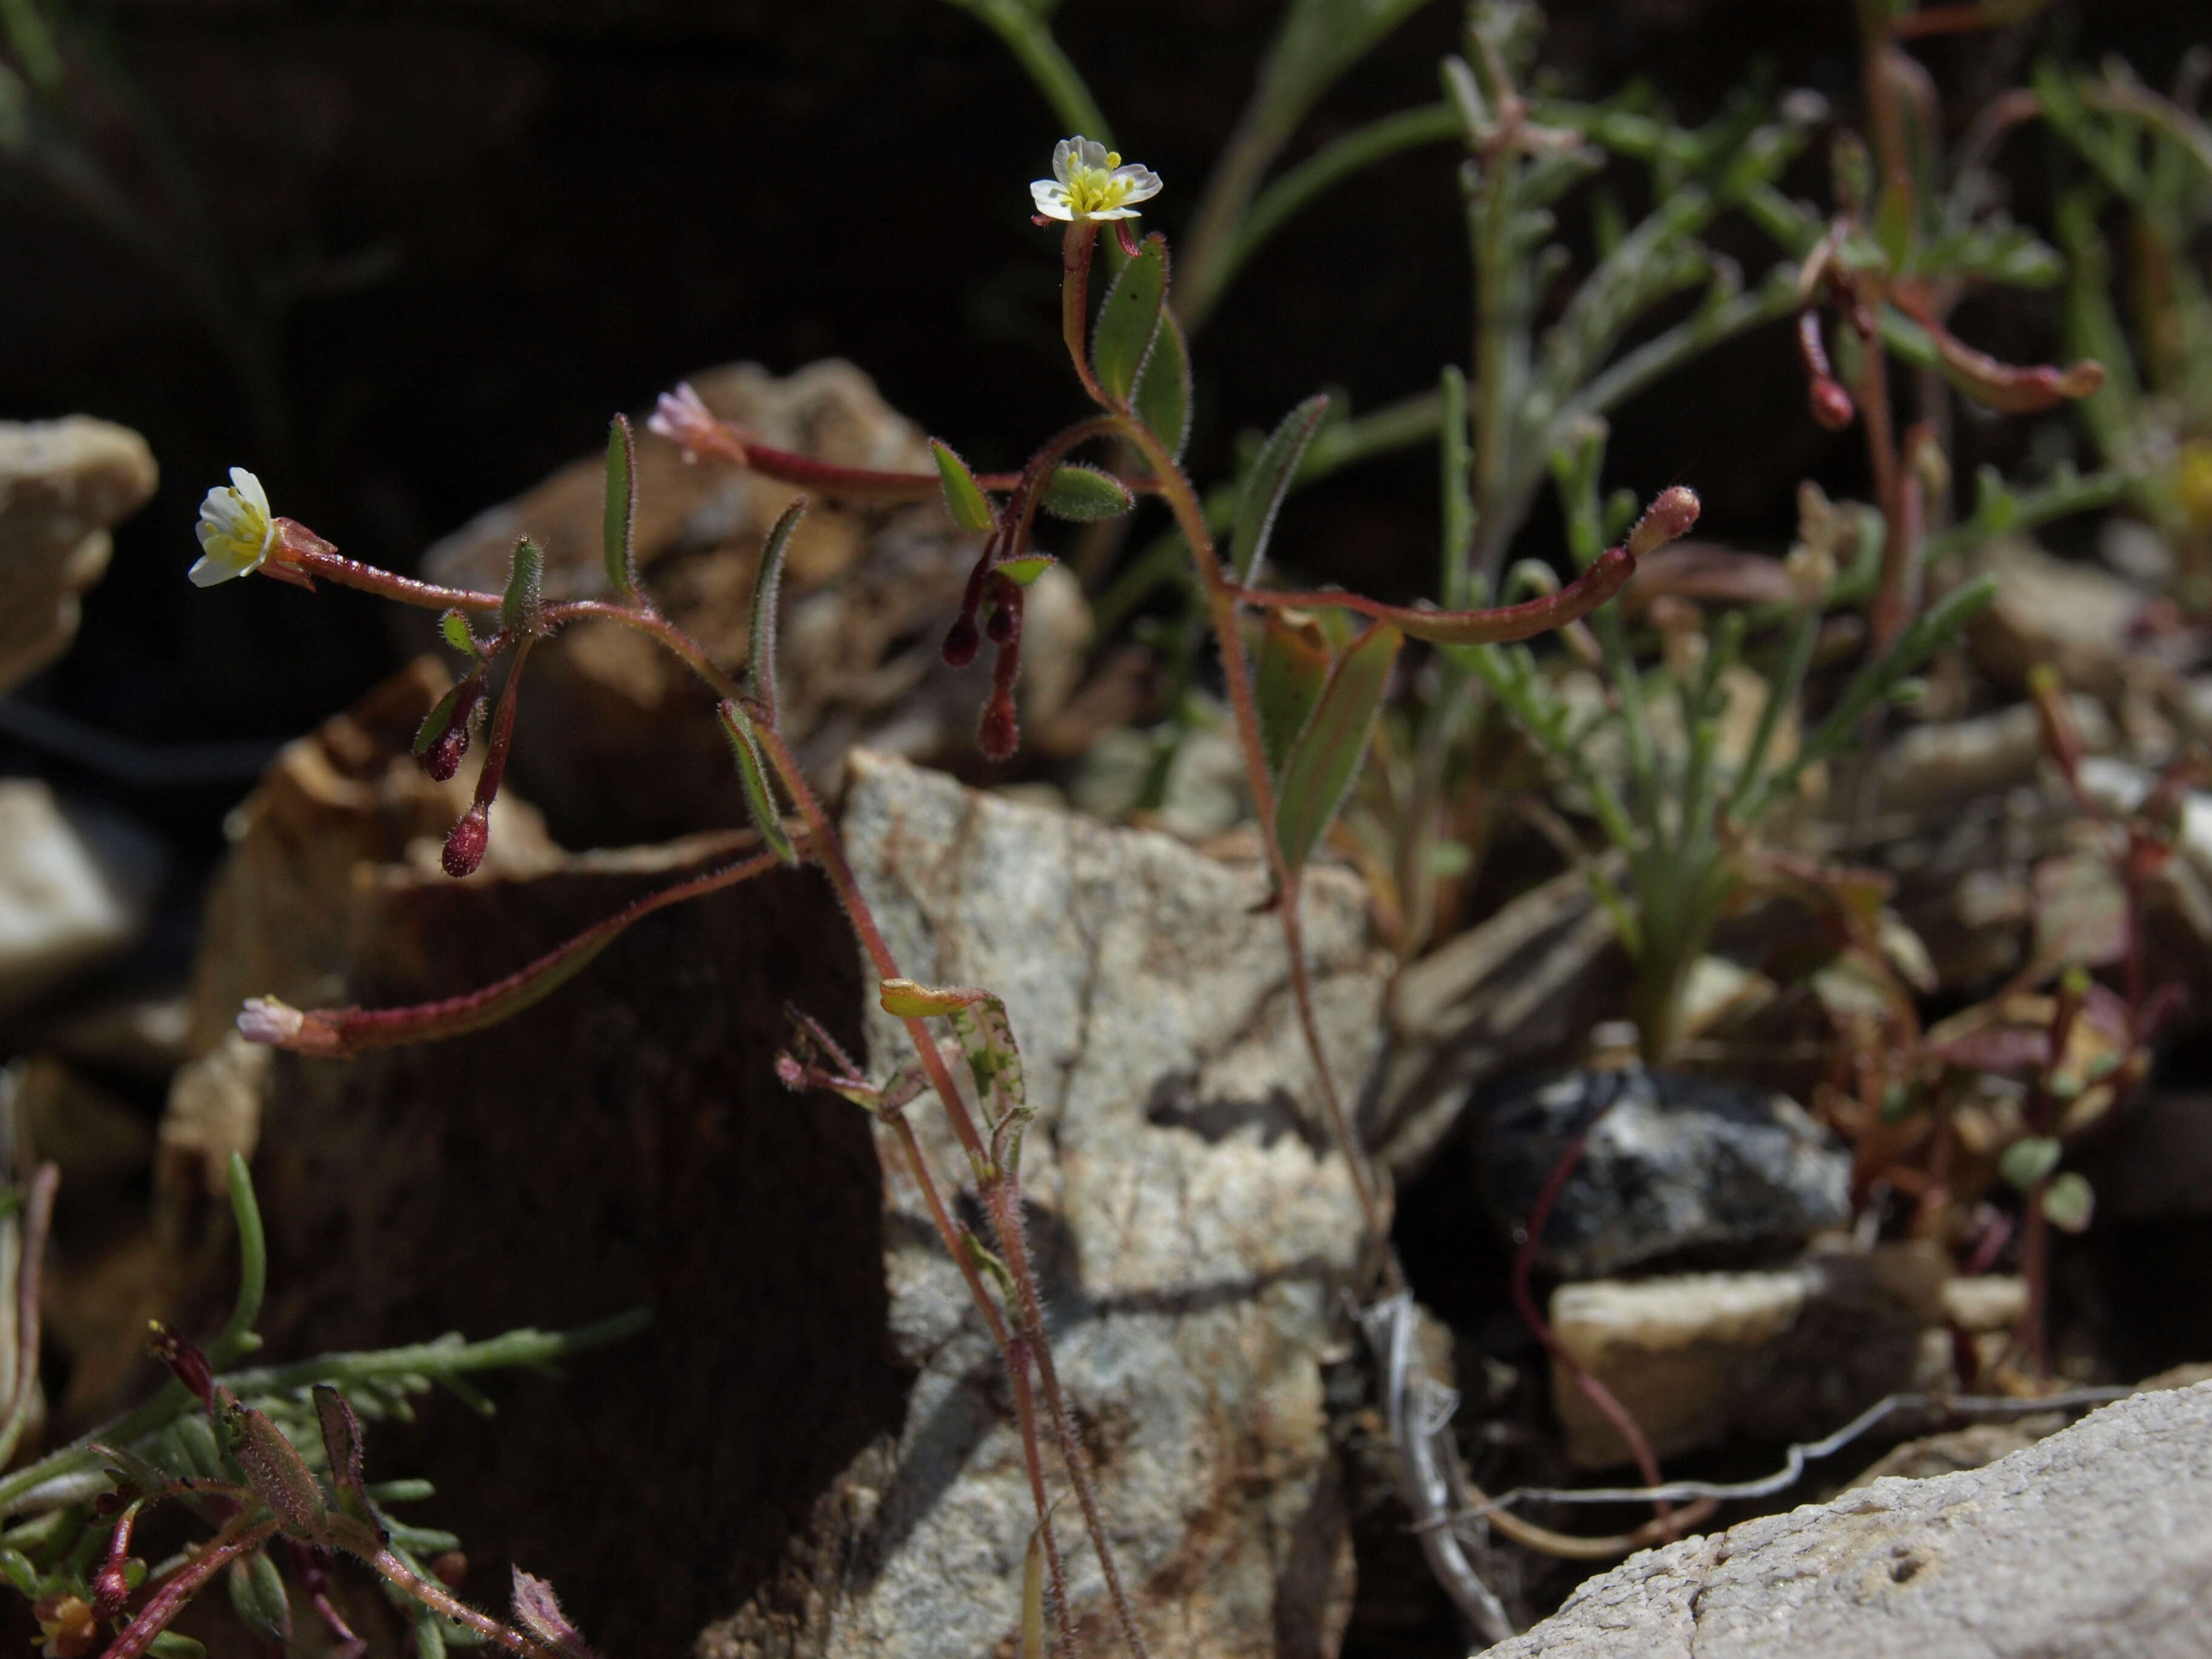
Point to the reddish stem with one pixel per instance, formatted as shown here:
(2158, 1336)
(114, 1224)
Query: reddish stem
(168, 1600)
(1524, 1257)
(1608, 574)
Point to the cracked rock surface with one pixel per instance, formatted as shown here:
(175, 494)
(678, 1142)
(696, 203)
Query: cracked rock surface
(1188, 1221)
(2097, 1542)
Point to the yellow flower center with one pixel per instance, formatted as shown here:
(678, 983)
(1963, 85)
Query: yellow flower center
(1095, 189)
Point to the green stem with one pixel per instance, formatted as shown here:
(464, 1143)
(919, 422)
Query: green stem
(1209, 270)
(1021, 27)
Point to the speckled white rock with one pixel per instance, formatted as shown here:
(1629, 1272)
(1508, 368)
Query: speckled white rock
(2094, 1544)
(1188, 1223)
(73, 889)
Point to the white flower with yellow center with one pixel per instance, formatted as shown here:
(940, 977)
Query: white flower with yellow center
(236, 532)
(1089, 181)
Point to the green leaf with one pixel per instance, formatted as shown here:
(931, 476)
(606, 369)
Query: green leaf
(1319, 765)
(621, 519)
(16, 1567)
(525, 580)
(276, 1471)
(760, 798)
(1162, 400)
(2028, 1160)
(1033, 1595)
(455, 627)
(1287, 680)
(2069, 1202)
(1130, 319)
(964, 497)
(1026, 570)
(1085, 494)
(1266, 481)
(434, 722)
(768, 588)
(175, 1645)
(257, 1596)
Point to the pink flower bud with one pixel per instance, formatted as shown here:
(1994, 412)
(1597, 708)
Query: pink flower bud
(465, 842)
(1832, 405)
(269, 1022)
(1667, 519)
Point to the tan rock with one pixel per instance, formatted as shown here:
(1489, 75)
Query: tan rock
(62, 485)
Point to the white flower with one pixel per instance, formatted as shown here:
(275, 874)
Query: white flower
(1089, 181)
(269, 1021)
(682, 417)
(236, 532)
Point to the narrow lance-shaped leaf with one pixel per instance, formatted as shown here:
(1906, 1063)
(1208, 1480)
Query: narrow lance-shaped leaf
(257, 1596)
(768, 588)
(1162, 400)
(1288, 678)
(434, 723)
(1259, 496)
(1033, 1595)
(1319, 765)
(752, 773)
(1130, 319)
(525, 575)
(1085, 494)
(964, 497)
(621, 520)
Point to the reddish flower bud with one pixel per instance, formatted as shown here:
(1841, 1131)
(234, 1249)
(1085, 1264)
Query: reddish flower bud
(1001, 733)
(1832, 405)
(1667, 519)
(962, 642)
(443, 758)
(184, 1358)
(465, 842)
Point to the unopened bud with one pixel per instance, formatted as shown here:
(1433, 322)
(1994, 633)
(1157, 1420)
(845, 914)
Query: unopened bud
(465, 842)
(1667, 519)
(1001, 733)
(443, 758)
(1003, 626)
(1832, 405)
(184, 1358)
(270, 1022)
(450, 1568)
(962, 642)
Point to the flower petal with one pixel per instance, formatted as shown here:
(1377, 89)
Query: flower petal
(250, 487)
(1143, 183)
(208, 569)
(1051, 199)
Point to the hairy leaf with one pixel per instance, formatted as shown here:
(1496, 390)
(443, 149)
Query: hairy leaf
(1319, 767)
(1162, 400)
(1130, 319)
(964, 497)
(526, 577)
(760, 797)
(620, 522)
(1085, 494)
(1266, 481)
(1288, 679)
(768, 588)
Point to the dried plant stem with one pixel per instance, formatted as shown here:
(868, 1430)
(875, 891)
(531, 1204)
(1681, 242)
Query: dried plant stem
(1000, 1198)
(22, 1387)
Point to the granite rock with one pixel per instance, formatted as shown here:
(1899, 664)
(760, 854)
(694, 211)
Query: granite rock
(2095, 1542)
(1674, 1163)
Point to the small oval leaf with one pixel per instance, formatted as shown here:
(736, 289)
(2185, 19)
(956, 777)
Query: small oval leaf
(1266, 481)
(906, 998)
(1085, 494)
(2069, 1202)
(760, 797)
(620, 522)
(257, 1595)
(1319, 767)
(1162, 400)
(455, 627)
(1024, 570)
(2028, 1160)
(964, 497)
(1130, 319)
